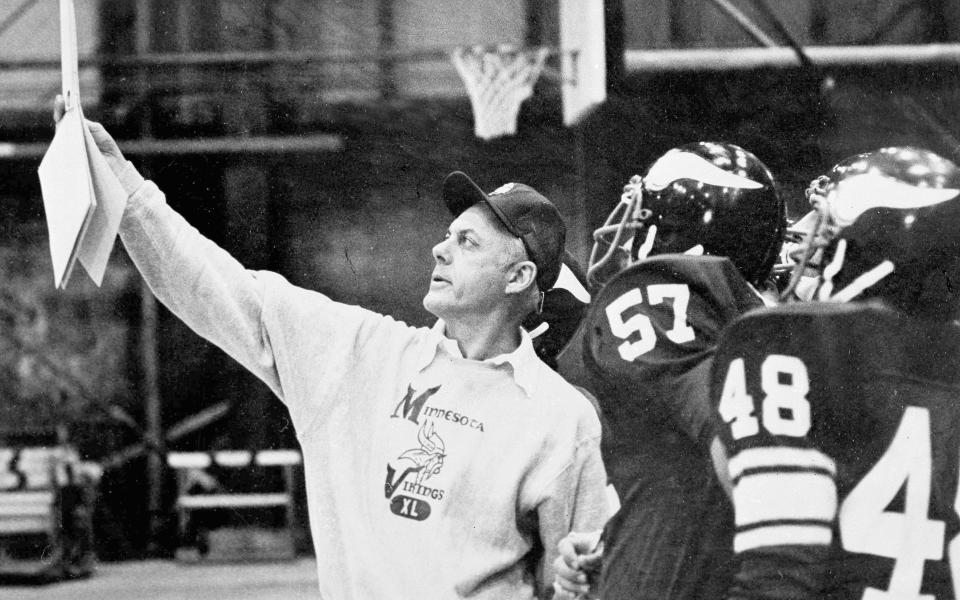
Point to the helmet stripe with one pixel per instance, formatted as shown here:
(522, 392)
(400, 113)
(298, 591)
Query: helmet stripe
(679, 164)
(855, 195)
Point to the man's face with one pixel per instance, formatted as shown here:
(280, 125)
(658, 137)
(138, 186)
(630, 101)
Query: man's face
(472, 265)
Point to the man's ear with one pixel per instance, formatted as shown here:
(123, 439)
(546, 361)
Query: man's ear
(522, 277)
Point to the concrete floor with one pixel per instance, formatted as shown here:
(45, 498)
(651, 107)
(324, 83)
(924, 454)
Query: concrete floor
(169, 580)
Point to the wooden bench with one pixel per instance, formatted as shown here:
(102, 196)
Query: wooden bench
(200, 492)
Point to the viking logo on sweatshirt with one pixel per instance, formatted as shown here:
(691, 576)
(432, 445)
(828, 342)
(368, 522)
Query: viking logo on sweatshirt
(419, 465)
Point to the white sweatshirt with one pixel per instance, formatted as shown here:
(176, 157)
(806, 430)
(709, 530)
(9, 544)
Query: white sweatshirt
(428, 475)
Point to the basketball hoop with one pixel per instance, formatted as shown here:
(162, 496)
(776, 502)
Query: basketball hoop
(498, 80)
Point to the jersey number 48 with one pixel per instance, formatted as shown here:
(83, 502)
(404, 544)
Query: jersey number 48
(866, 526)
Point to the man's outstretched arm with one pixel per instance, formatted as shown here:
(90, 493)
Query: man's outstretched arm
(197, 280)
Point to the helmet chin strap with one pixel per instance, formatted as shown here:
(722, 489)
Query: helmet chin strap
(539, 330)
(805, 288)
(644, 250)
(830, 271)
(764, 297)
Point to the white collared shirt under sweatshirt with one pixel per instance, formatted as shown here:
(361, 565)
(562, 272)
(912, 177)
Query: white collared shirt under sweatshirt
(428, 475)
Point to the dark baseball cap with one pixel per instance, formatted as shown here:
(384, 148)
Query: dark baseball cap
(524, 211)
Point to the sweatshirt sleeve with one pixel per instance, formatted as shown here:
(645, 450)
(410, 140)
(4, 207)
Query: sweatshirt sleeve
(197, 280)
(305, 346)
(576, 500)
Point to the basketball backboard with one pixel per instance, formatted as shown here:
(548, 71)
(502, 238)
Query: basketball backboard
(583, 66)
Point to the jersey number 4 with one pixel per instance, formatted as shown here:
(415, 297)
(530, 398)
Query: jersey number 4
(640, 327)
(866, 526)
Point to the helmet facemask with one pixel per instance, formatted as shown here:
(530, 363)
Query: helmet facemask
(809, 239)
(615, 244)
(822, 254)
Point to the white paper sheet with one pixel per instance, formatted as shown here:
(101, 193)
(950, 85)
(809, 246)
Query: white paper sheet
(82, 198)
(68, 198)
(97, 242)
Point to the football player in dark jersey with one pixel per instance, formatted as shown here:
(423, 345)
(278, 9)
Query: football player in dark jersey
(841, 417)
(683, 254)
(560, 311)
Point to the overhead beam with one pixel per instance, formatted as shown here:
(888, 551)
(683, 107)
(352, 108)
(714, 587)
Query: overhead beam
(249, 145)
(723, 59)
(635, 59)
(229, 59)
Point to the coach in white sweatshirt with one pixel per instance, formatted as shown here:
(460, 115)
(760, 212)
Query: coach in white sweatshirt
(440, 462)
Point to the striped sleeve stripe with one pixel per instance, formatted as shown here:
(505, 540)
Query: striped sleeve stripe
(780, 456)
(772, 496)
(781, 469)
(781, 535)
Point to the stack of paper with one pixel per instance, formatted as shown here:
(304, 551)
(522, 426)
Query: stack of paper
(82, 198)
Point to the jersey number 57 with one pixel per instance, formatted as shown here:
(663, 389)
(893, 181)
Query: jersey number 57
(640, 327)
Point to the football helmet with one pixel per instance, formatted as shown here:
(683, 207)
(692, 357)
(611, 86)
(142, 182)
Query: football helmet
(886, 227)
(706, 197)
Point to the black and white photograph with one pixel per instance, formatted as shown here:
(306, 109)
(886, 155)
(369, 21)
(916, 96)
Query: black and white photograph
(488, 299)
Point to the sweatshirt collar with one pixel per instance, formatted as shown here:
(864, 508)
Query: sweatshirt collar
(522, 360)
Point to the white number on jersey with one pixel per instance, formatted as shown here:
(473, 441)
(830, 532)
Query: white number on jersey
(785, 384)
(910, 537)
(866, 526)
(641, 325)
(785, 409)
(736, 405)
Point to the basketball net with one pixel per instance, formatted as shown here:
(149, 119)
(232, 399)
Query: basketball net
(498, 80)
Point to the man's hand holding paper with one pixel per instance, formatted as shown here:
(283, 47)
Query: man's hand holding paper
(82, 196)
